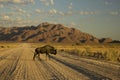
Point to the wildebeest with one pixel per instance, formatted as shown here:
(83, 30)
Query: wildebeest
(47, 49)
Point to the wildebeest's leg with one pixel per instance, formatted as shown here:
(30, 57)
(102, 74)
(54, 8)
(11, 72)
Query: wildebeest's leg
(39, 56)
(46, 55)
(34, 55)
(49, 56)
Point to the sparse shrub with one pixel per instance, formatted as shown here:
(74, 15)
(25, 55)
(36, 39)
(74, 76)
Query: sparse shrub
(2, 46)
(112, 55)
(75, 52)
(77, 43)
(104, 55)
(118, 58)
(91, 54)
(99, 55)
(73, 44)
(82, 53)
(87, 49)
(61, 50)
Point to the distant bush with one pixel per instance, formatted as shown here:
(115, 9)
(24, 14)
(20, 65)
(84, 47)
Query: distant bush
(118, 58)
(2, 46)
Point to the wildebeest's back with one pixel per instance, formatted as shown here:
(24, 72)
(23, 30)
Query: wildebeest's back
(47, 49)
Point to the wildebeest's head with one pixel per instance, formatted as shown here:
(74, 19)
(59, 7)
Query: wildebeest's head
(54, 52)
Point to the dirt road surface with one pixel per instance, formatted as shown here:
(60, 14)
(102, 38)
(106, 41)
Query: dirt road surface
(17, 64)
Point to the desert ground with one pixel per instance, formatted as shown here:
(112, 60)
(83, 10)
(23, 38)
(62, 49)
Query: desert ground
(16, 63)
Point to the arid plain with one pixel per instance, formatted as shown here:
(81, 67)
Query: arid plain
(16, 63)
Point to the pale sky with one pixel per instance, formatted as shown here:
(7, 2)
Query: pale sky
(101, 18)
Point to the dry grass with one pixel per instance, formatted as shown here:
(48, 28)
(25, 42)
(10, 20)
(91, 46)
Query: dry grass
(109, 52)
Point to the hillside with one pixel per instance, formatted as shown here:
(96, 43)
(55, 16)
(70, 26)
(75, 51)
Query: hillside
(46, 32)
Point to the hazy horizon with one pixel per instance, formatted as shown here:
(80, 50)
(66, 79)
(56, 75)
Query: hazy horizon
(101, 18)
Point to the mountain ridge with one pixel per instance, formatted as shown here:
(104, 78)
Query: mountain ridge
(47, 32)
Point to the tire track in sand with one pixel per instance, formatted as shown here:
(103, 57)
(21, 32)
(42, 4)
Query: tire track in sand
(49, 72)
(9, 66)
(92, 75)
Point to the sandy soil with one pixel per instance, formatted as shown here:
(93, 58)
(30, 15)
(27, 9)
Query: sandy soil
(17, 64)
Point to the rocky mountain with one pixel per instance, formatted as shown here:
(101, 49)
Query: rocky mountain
(46, 32)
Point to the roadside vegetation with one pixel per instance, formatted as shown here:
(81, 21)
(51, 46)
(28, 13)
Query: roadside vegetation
(107, 52)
